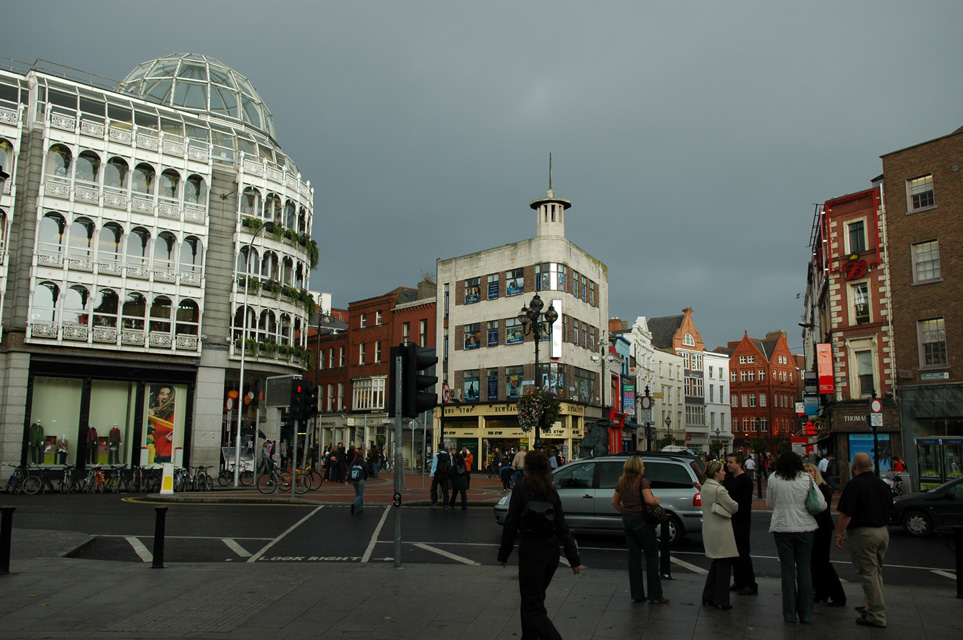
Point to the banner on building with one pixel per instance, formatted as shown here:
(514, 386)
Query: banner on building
(824, 367)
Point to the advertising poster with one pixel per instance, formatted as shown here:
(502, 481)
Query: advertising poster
(824, 366)
(163, 421)
(863, 443)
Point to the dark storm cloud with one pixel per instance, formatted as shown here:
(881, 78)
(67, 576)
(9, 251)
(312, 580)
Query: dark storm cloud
(691, 137)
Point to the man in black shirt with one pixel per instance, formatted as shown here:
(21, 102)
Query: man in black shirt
(864, 510)
(739, 485)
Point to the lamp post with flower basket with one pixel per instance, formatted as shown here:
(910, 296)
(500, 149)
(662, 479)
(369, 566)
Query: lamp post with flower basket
(539, 325)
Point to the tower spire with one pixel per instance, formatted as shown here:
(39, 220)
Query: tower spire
(549, 170)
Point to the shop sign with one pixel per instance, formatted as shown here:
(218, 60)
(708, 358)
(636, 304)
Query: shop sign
(940, 375)
(824, 367)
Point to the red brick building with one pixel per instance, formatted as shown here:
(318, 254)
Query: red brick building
(764, 383)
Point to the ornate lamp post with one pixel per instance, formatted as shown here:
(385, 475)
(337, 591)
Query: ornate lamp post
(532, 322)
(668, 425)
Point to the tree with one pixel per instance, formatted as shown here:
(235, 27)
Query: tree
(783, 447)
(715, 447)
(666, 441)
(759, 446)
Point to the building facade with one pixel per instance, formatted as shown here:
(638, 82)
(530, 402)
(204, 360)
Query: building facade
(923, 198)
(486, 357)
(132, 243)
(661, 372)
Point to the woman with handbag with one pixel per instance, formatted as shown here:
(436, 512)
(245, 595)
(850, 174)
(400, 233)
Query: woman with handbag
(790, 489)
(826, 585)
(632, 498)
(720, 543)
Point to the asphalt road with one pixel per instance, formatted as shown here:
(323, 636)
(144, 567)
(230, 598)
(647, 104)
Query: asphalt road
(124, 529)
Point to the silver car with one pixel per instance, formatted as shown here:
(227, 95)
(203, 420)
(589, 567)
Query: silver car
(586, 488)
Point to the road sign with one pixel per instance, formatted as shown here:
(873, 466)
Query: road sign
(876, 406)
(646, 403)
(876, 419)
(445, 393)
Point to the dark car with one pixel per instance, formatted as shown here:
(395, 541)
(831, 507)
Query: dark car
(940, 508)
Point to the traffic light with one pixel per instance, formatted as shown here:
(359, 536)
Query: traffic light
(415, 397)
(296, 405)
(310, 407)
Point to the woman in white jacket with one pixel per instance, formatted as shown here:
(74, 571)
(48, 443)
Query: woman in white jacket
(793, 527)
(717, 536)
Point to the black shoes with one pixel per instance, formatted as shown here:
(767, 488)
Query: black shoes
(352, 508)
(749, 591)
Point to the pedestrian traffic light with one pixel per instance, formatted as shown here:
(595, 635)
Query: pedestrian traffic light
(310, 407)
(416, 398)
(296, 405)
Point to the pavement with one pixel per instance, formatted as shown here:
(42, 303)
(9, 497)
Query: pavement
(49, 594)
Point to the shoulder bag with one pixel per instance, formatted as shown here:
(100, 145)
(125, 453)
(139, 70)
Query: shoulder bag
(719, 510)
(654, 514)
(812, 499)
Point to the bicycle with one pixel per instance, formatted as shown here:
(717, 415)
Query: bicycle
(275, 480)
(72, 481)
(202, 481)
(226, 477)
(16, 479)
(314, 478)
(36, 481)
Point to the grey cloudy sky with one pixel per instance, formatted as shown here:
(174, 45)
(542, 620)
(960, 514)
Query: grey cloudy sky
(691, 137)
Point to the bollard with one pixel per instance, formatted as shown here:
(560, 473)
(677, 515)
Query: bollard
(664, 565)
(958, 534)
(159, 538)
(6, 537)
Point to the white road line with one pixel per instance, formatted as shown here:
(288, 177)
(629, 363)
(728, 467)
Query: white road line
(690, 567)
(236, 548)
(451, 556)
(945, 574)
(374, 537)
(140, 549)
(294, 526)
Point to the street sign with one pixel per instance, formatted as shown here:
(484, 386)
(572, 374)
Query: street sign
(445, 393)
(876, 406)
(646, 403)
(876, 419)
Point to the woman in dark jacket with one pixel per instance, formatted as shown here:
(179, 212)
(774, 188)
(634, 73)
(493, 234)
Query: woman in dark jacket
(538, 539)
(459, 481)
(826, 585)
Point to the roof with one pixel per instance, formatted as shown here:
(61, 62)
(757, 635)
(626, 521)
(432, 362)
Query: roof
(663, 330)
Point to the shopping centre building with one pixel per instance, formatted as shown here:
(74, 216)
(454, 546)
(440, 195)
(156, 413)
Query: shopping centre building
(132, 216)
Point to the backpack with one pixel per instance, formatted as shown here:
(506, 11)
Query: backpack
(538, 519)
(444, 464)
(357, 472)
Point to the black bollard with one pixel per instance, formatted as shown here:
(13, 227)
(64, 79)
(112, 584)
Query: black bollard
(159, 538)
(664, 565)
(958, 534)
(6, 537)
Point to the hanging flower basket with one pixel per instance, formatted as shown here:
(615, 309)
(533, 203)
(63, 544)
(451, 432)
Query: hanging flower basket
(538, 408)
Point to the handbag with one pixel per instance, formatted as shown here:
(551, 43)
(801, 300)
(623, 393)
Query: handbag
(719, 510)
(812, 500)
(654, 514)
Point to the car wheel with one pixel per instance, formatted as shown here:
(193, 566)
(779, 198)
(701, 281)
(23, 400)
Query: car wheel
(675, 530)
(917, 523)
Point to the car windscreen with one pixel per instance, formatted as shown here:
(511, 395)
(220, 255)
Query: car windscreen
(663, 475)
(575, 476)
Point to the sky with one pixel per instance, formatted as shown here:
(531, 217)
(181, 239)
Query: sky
(694, 139)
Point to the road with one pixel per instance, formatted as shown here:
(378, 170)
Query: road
(257, 532)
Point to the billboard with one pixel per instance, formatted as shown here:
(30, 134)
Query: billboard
(824, 367)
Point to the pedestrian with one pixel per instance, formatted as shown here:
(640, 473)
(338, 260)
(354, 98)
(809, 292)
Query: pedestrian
(535, 517)
(739, 486)
(632, 494)
(826, 585)
(358, 475)
(496, 464)
(793, 528)
(332, 461)
(717, 537)
(519, 465)
(459, 481)
(266, 464)
(898, 465)
(469, 461)
(373, 462)
(864, 510)
(506, 473)
(440, 476)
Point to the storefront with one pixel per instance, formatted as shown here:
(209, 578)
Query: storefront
(107, 414)
(850, 430)
(932, 418)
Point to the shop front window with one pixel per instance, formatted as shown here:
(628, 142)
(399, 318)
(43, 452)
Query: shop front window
(55, 405)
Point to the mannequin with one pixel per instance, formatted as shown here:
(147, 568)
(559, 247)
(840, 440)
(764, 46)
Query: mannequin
(35, 442)
(92, 444)
(62, 449)
(113, 440)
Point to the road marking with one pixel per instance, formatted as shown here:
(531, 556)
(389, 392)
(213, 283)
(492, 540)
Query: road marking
(945, 574)
(374, 538)
(294, 526)
(690, 567)
(236, 548)
(140, 549)
(445, 554)
(120, 535)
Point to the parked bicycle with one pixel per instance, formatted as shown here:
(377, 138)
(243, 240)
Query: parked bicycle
(226, 477)
(37, 480)
(275, 480)
(72, 480)
(202, 481)
(16, 479)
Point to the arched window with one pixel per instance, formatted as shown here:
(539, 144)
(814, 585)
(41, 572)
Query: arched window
(108, 246)
(6, 156)
(143, 179)
(239, 323)
(267, 327)
(58, 161)
(272, 208)
(187, 317)
(138, 243)
(302, 221)
(242, 262)
(116, 174)
(251, 202)
(160, 315)
(168, 183)
(87, 168)
(165, 247)
(3, 229)
(290, 215)
(50, 239)
(75, 310)
(195, 190)
(287, 273)
(105, 308)
(269, 265)
(191, 255)
(135, 306)
(285, 331)
(81, 243)
(43, 307)
(299, 276)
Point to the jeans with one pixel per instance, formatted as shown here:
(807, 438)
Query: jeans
(537, 563)
(375, 467)
(358, 496)
(519, 476)
(795, 558)
(640, 536)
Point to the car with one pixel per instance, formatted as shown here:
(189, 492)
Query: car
(586, 487)
(919, 514)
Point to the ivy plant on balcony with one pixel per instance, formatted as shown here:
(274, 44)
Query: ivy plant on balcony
(271, 349)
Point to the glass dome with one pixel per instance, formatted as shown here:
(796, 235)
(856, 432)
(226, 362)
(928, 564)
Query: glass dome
(201, 84)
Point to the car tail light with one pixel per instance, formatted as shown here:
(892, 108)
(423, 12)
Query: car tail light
(697, 499)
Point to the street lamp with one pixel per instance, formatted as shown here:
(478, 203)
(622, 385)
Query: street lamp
(531, 319)
(267, 226)
(668, 426)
